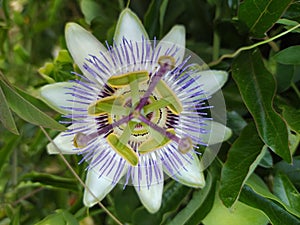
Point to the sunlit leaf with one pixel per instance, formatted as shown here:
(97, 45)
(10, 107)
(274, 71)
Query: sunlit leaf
(244, 155)
(260, 15)
(27, 111)
(257, 88)
(237, 215)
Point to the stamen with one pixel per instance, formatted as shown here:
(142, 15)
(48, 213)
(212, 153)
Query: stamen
(165, 67)
(184, 144)
(81, 140)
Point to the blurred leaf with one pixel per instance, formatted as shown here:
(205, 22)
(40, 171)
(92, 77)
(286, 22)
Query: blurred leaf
(151, 18)
(125, 202)
(267, 160)
(172, 197)
(199, 198)
(235, 122)
(14, 215)
(291, 170)
(289, 56)
(257, 88)
(293, 12)
(260, 15)
(61, 217)
(243, 157)
(286, 191)
(90, 9)
(162, 12)
(284, 76)
(289, 24)
(5, 115)
(27, 111)
(51, 181)
(292, 117)
(276, 214)
(7, 149)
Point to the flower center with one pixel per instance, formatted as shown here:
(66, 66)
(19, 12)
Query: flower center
(137, 113)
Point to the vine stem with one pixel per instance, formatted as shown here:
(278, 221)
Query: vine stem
(213, 63)
(296, 90)
(78, 178)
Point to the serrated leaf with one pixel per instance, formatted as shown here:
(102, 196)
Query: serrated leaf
(260, 15)
(257, 87)
(5, 115)
(289, 56)
(244, 155)
(276, 214)
(28, 112)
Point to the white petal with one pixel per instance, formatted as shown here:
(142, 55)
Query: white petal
(151, 197)
(54, 95)
(64, 143)
(191, 173)
(176, 36)
(130, 27)
(100, 182)
(212, 80)
(149, 187)
(217, 133)
(81, 44)
(100, 187)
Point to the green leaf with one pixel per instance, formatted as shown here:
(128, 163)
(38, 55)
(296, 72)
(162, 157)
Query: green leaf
(7, 149)
(125, 202)
(151, 18)
(267, 160)
(198, 199)
(286, 191)
(292, 117)
(27, 111)
(61, 217)
(50, 181)
(284, 76)
(257, 87)
(260, 15)
(276, 213)
(260, 188)
(90, 9)
(289, 56)
(5, 115)
(172, 198)
(291, 170)
(244, 155)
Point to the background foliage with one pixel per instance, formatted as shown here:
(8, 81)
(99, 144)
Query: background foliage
(256, 173)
